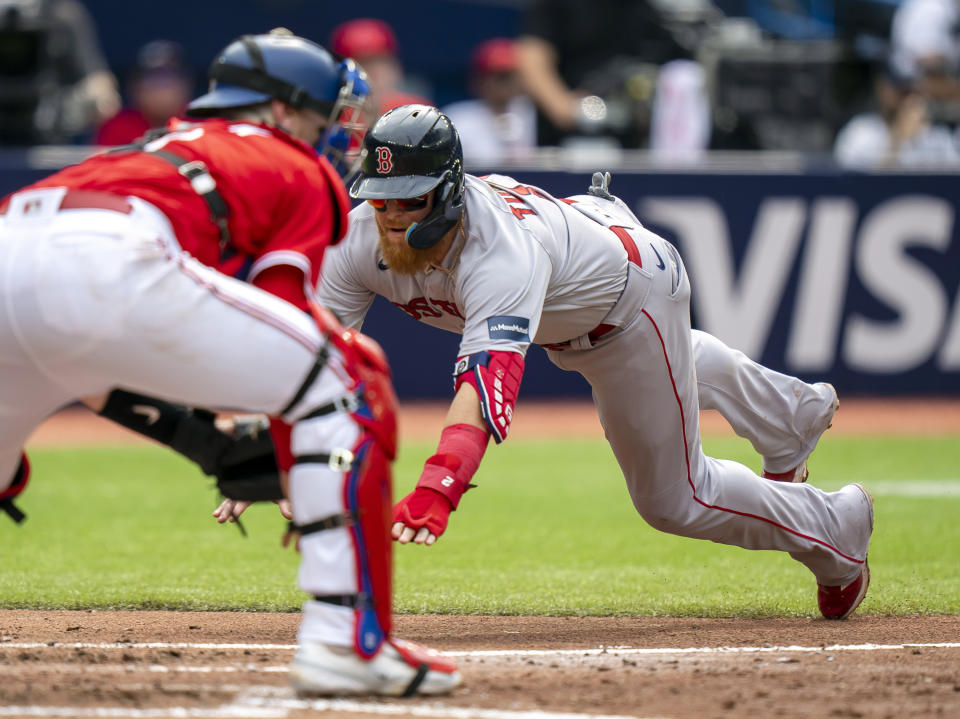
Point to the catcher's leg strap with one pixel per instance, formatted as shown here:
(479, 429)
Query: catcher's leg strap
(19, 483)
(323, 355)
(334, 521)
(359, 601)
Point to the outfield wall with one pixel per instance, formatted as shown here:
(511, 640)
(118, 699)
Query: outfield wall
(849, 278)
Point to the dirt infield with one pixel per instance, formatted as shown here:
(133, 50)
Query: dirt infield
(187, 664)
(148, 664)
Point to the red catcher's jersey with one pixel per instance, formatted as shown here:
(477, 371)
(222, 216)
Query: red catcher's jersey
(286, 202)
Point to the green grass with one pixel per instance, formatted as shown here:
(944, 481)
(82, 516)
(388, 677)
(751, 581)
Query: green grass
(550, 530)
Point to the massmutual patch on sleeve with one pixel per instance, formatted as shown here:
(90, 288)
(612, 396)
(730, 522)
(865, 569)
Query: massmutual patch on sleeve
(507, 327)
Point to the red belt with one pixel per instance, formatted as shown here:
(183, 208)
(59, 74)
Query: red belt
(593, 335)
(85, 200)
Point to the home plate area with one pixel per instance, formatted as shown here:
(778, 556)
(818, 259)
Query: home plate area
(206, 664)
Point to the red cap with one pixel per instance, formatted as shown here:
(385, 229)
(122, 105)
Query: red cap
(496, 55)
(363, 37)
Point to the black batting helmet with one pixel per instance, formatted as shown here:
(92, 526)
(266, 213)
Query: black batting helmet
(408, 152)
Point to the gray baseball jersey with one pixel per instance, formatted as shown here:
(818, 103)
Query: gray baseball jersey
(610, 299)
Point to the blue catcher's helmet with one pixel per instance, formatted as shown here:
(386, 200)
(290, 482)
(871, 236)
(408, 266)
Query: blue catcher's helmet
(256, 68)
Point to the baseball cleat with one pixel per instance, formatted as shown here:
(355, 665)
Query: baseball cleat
(821, 425)
(840, 602)
(399, 669)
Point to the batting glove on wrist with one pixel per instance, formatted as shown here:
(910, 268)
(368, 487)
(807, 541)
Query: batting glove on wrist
(421, 516)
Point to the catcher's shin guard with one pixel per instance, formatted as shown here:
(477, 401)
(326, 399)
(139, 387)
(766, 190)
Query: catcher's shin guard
(337, 492)
(341, 498)
(359, 506)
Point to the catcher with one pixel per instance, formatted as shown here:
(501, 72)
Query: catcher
(178, 269)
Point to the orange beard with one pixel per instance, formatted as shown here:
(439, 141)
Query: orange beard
(407, 260)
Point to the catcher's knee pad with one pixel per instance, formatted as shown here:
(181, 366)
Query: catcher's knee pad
(340, 489)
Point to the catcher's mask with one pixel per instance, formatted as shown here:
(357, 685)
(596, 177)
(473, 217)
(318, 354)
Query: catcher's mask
(255, 68)
(408, 152)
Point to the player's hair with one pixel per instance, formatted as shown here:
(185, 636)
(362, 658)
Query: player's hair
(260, 112)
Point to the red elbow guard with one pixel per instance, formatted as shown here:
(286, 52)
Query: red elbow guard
(458, 455)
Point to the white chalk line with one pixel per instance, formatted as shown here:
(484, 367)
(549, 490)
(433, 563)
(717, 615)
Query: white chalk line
(229, 711)
(282, 708)
(597, 651)
(424, 710)
(133, 668)
(139, 645)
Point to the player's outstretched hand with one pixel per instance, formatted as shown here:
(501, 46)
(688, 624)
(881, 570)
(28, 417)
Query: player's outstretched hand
(230, 509)
(420, 517)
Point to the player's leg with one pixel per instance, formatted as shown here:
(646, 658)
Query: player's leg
(654, 431)
(782, 416)
(27, 396)
(341, 492)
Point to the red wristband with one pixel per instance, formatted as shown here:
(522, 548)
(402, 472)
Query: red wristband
(458, 455)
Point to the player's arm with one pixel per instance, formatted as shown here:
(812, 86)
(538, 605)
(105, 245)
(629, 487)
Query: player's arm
(487, 388)
(340, 288)
(242, 458)
(422, 515)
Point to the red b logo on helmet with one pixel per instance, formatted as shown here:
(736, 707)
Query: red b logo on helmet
(384, 160)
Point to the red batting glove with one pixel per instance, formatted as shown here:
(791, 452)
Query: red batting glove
(423, 507)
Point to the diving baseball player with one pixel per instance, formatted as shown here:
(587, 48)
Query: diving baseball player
(507, 265)
(178, 268)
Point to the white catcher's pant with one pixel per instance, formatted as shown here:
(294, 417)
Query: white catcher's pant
(92, 300)
(645, 387)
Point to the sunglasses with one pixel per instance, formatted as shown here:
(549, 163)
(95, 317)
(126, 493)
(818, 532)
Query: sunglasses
(406, 205)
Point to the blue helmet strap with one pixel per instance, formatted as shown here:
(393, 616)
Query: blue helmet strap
(256, 56)
(259, 82)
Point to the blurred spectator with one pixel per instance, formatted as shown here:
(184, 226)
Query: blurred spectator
(501, 123)
(680, 116)
(925, 45)
(899, 133)
(159, 88)
(373, 44)
(592, 67)
(54, 81)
